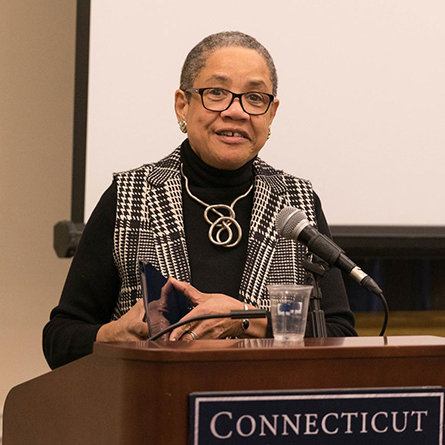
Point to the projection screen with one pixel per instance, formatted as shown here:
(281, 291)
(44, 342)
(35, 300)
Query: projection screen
(361, 85)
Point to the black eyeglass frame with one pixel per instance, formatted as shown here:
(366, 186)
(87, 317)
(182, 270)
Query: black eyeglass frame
(200, 91)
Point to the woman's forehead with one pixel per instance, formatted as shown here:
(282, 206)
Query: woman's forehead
(236, 64)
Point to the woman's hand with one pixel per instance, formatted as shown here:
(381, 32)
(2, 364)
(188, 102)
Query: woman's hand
(130, 327)
(206, 304)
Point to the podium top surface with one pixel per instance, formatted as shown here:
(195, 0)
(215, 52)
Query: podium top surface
(270, 349)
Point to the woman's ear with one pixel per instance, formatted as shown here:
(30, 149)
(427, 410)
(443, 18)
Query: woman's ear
(274, 107)
(181, 105)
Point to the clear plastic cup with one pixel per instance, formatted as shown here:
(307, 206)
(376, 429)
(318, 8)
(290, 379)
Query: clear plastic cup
(289, 306)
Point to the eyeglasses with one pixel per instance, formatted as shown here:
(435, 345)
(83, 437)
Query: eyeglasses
(219, 99)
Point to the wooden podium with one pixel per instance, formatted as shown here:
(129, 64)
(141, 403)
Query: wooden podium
(138, 393)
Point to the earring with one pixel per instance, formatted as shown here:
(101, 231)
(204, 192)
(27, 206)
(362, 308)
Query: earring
(269, 133)
(182, 125)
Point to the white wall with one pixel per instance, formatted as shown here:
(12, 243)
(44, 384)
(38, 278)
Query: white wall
(36, 115)
(360, 81)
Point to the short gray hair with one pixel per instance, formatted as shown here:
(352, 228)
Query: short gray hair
(197, 57)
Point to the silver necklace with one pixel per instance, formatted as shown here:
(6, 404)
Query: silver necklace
(223, 223)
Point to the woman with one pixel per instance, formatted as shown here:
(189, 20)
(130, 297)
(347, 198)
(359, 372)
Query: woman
(226, 104)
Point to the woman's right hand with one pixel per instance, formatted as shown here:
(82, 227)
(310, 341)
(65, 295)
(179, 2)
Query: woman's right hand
(130, 327)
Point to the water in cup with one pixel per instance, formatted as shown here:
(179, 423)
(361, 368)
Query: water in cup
(289, 306)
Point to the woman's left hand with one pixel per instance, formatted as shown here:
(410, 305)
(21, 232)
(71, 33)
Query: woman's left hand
(206, 304)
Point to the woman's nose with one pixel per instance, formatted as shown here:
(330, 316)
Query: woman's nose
(235, 110)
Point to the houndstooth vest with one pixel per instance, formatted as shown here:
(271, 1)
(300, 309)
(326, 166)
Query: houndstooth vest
(149, 226)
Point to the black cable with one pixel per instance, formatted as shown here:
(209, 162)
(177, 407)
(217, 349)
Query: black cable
(386, 311)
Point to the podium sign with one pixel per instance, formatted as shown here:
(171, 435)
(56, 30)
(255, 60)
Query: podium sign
(384, 416)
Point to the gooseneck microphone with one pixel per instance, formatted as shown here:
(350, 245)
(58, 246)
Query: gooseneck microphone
(234, 315)
(292, 223)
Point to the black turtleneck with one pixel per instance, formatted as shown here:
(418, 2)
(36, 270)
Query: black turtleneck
(215, 269)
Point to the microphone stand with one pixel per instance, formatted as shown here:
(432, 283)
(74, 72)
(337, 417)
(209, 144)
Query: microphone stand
(314, 273)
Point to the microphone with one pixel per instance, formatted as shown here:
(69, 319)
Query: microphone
(234, 315)
(291, 223)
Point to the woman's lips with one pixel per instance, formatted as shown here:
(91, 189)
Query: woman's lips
(232, 135)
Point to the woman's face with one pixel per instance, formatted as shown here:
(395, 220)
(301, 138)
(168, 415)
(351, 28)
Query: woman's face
(228, 139)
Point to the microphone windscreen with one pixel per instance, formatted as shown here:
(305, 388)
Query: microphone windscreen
(287, 220)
